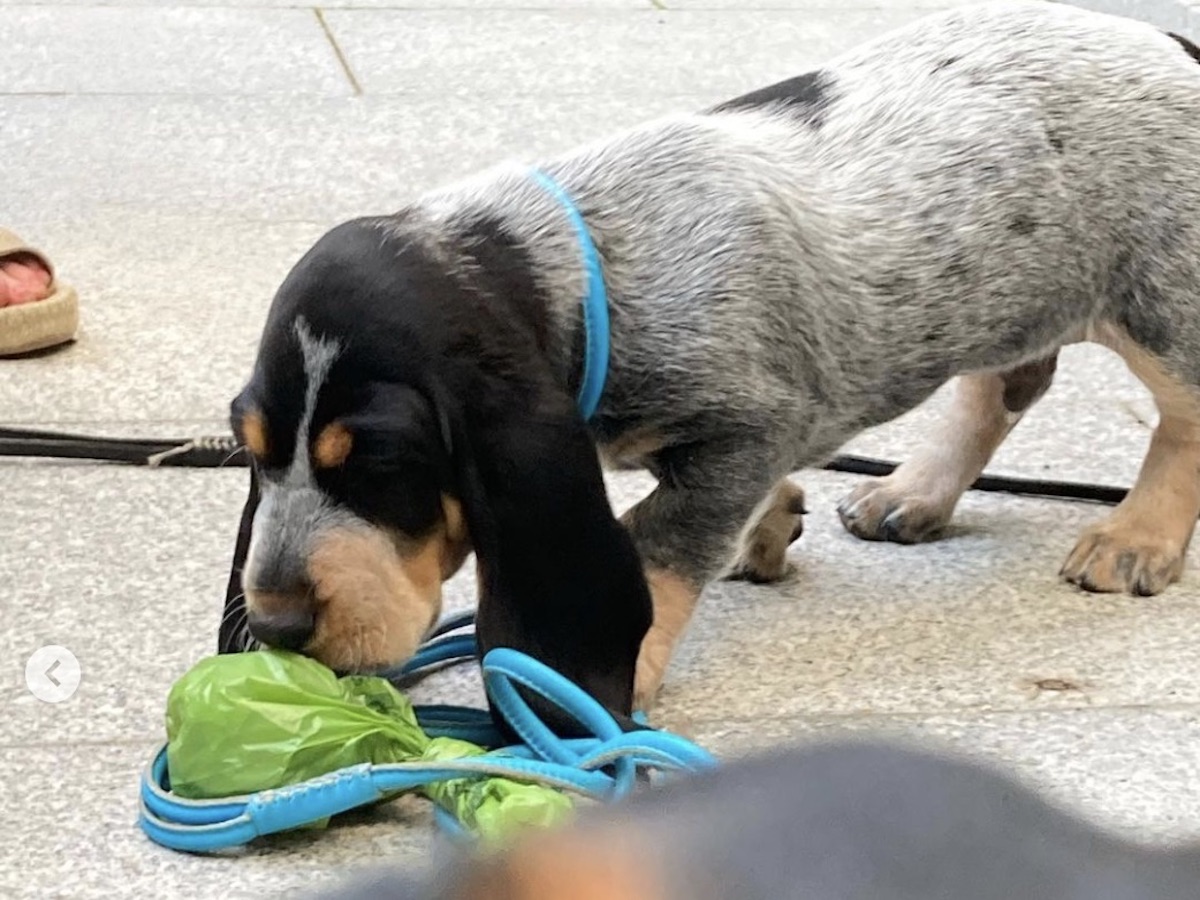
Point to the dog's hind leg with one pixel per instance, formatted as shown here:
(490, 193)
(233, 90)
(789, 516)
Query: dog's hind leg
(918, 499)
(1140, 547)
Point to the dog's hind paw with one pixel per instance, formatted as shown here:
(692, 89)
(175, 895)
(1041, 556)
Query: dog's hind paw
(877, 510)
(1112, 559)
(776, 525)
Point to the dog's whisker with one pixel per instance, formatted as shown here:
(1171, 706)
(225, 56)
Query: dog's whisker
(234, 452)
(236, 609)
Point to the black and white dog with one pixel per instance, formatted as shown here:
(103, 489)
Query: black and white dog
(956, 200)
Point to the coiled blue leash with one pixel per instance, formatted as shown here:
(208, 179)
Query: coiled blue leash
(604, 767)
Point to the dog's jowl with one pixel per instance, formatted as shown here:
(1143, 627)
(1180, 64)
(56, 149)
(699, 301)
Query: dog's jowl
(955, 201)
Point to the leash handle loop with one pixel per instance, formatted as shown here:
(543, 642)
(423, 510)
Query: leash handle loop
(502, 667)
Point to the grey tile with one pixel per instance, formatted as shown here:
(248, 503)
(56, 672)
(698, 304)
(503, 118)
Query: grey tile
(977, 620)
(1170, 15)
(97, 50)
(126, 568)
(1129, 770)
(170, 314)
(1136, 8)
(251, 158)
(71, 807)
(71, 832)
(594, 53)
(204, 205)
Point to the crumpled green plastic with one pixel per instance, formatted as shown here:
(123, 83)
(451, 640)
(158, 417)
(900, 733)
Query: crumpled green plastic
(246, 722)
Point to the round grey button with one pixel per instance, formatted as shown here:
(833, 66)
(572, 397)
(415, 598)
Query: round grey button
(52, 674)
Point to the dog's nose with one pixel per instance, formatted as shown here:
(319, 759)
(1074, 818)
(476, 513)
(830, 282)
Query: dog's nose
(289, 626)
(280, 601)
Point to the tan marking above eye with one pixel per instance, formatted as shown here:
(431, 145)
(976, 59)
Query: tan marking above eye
(254, 433)
(332, 446)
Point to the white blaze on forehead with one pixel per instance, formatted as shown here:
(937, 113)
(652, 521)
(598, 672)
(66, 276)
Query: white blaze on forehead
(319, 354)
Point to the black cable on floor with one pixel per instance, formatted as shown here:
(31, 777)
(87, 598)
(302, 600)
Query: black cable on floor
(223, 451)
(1029, 487)
(199, 452)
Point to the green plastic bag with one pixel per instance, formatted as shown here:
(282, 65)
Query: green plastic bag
(246, 722)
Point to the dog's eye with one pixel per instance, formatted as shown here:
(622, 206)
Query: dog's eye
(400, 494)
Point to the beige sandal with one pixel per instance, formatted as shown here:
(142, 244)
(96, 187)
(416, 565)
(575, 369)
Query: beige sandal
(44, 323)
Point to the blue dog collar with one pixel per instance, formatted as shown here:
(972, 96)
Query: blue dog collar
(595, 303)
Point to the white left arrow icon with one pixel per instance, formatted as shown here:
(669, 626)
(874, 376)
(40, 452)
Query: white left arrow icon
(52, 674)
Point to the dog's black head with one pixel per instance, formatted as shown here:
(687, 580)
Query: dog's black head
(402, 411)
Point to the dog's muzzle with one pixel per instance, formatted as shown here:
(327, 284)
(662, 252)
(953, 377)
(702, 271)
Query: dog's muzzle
(281, 598)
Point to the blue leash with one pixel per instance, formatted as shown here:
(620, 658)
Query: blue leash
(577, 765)
(604, 767)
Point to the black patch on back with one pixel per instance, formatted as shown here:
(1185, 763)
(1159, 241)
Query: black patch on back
(806, 96)
(945, 63)
(1022, 224)
(1056, 143)
(1191, 49)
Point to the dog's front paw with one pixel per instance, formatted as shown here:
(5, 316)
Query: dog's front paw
(762, 555)
(1114, 557)
(648, 679)
(762, 571)
(880, 510)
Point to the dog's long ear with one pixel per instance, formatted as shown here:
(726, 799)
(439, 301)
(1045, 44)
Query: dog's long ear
(233, 618)
(560, 578)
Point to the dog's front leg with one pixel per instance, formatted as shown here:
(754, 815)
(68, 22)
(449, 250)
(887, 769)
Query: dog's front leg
(687, 532)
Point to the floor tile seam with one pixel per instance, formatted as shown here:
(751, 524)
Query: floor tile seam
(338, 52)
